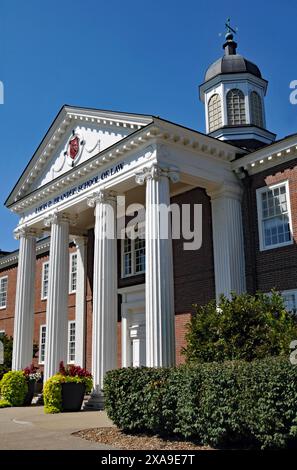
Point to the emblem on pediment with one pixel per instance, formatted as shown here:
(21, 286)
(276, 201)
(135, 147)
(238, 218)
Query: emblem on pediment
(74, 148)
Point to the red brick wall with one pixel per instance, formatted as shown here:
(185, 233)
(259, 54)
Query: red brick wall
(7, 314)
(194, 270)
(276, 267)
(181, 321)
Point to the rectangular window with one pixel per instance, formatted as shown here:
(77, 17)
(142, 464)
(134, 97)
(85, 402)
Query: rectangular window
(42, 339)
(274, 216)
(290, 298)
(71, 342)
(44, 284)
(3, 291)
(73, 273)
(133, 252)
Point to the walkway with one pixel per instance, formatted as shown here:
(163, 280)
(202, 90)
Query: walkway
(30, 428)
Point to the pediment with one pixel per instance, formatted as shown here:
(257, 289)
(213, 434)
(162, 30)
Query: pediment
(75, 136)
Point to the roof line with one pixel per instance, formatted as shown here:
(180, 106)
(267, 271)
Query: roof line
(82, 163)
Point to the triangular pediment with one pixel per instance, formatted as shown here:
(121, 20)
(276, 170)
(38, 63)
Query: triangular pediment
(75, 136)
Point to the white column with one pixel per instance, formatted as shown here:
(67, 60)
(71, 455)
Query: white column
(80, 302)
(104, 325)
(159, 285)
(24, 302)
(58, 290)
(228, 243)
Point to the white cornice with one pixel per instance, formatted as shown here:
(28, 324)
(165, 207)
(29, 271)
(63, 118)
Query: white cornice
(69, 117)
(11, 259)
(268, 157)
(157, 130)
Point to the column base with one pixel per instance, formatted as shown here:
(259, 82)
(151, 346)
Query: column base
(95, 402)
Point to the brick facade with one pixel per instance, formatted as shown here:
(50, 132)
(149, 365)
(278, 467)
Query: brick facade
(193, 270)
(276, 267)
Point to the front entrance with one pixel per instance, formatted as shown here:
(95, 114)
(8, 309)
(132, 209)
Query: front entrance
(137, 342)
(133, 326)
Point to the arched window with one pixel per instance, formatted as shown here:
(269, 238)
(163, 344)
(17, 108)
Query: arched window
(214, 113)
(235, 107)
(256, 109)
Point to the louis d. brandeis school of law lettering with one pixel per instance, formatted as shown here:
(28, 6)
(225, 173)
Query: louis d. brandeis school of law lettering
(91, 294)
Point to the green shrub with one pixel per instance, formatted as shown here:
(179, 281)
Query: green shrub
(239, 404)
(4, 404)
(14, 387)
(7, 343)
(246, 327)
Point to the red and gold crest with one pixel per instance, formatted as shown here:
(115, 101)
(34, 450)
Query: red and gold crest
(74, 148)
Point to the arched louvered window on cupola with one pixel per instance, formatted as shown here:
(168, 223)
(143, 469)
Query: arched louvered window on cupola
(236, 107)
(214, 112)
(256, 109)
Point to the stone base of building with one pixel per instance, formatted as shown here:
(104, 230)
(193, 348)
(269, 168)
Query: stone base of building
(95, 402)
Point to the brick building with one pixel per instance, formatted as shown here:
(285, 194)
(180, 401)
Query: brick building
(106, 301)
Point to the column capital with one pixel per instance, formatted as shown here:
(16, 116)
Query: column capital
(231, 191)
(101, 196)
(25, 232)
(156, 172)
(60, 218)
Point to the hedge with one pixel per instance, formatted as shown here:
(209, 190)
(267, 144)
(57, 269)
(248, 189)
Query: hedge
(238, 404)
(13, 388)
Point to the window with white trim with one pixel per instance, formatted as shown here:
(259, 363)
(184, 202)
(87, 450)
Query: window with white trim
(133, 252)
(42, 339)
(290, 299)
(44, 284)
(235, 107)
(71, 342)
(274, 216)
(256, 109)
(73, 273)
(3, 291)
(215, 112)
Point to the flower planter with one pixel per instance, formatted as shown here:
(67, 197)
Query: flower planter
(38, 388)
(72, 396)
(30, 393)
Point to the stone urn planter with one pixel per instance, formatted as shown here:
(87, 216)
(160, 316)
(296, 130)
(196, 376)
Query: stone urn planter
(72, 396)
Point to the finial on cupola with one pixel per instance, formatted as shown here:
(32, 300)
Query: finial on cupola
(230, 45)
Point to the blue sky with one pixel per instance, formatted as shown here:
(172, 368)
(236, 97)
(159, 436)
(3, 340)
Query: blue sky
(136, 56)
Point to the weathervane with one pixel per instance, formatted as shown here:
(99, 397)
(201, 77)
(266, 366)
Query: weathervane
(229, 29)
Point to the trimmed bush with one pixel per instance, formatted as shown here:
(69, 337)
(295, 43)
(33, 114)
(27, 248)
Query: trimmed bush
(245, 327)
(7, 343)
(14, 388)
(237, 404)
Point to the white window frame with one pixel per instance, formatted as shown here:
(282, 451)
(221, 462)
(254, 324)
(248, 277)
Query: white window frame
(72, 255)
(291, 292)
(71, 322)
(44, 297)
(2, 332)
(259, 192)
(40, 343)
(133, 256)
(4, 306)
